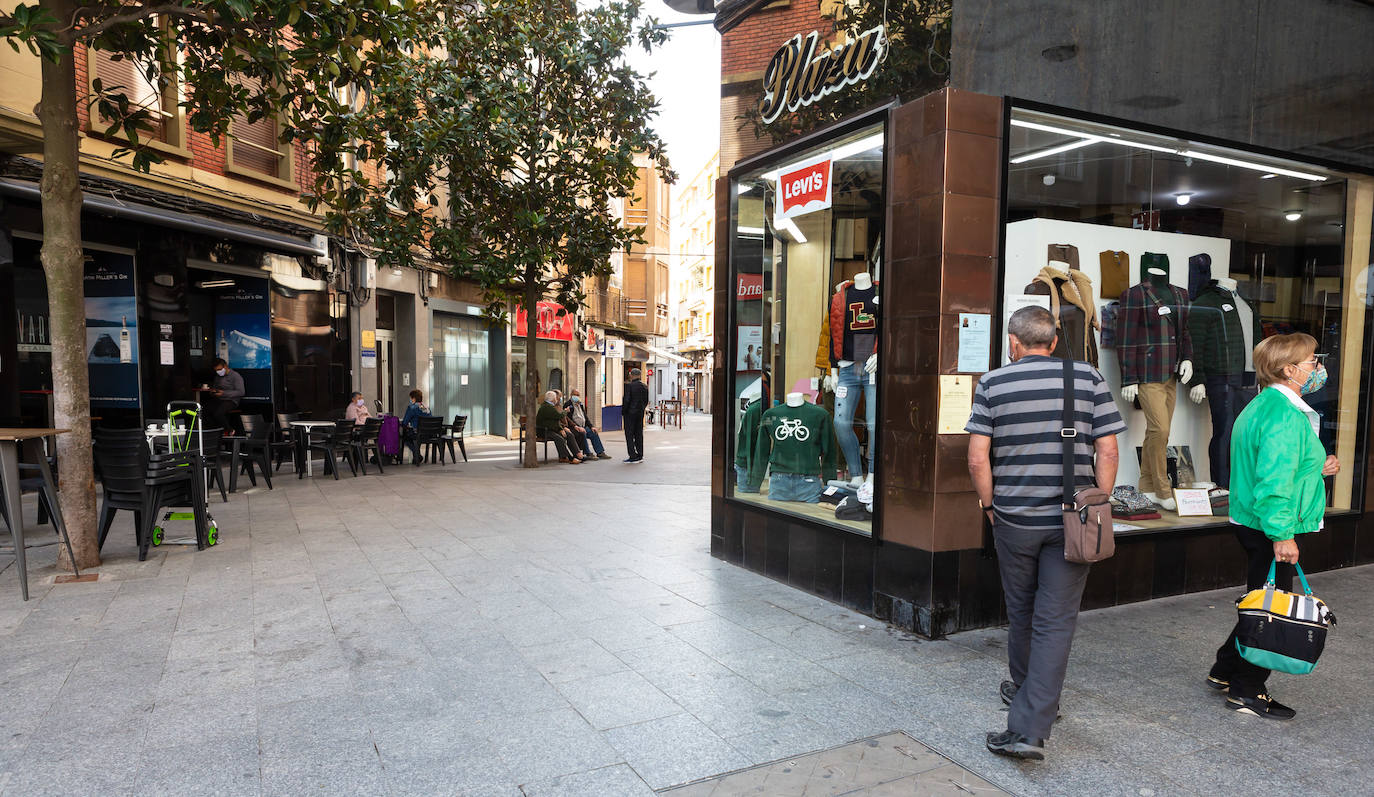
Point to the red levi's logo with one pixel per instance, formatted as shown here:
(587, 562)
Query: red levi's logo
(750, 287)
(806, 189)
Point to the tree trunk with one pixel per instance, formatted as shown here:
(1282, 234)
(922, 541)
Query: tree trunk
(64, 266)
(533, 398)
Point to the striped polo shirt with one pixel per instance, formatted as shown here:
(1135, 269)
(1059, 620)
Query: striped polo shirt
(1021, 407)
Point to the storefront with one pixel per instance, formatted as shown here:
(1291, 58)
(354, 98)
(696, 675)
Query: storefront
(548, 370)
(162, 302)
(463, 377)
(882, 256)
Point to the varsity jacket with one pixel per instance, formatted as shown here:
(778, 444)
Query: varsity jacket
(1152, 335)
(853, 319)
(1220, 340)
(797, 440)
(1276, 468)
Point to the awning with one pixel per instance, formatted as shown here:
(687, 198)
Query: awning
(667, 355)
(136, 211)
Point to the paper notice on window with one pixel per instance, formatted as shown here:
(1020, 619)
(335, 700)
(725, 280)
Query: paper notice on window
(1013, 304)
(956, 403)
(167, 353)
(975, 341)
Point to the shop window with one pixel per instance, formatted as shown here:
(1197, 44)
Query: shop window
(1158, 250)
(805, 261)
(255, 146)
(127, 76)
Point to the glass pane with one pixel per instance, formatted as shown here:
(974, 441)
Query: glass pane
(1168, 261)
(805, 264)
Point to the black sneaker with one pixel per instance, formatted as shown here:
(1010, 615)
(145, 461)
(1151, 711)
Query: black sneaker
(1014, 745)
(1219, 684)
(1008, 692)
(1261, 706)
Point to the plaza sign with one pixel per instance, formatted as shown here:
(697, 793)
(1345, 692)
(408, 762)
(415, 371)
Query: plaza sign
(798, 74)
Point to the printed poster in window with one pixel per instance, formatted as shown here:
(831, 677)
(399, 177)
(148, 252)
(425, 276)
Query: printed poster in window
(243, 335)
(750, 348)
(111, 329)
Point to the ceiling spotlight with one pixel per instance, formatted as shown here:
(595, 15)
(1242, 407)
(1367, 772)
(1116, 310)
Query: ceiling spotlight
(1183, 198)
(1047, 179)
(1269, 176)
(1292, 215)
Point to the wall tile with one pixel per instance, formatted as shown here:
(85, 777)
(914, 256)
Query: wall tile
(775, 548)
(907, 516)
(930, 226)
(930, 165)
(933, 112)
(968, 284)
(957, 522)
(974, 113)
(857, 586)
(903, 237)
(903, 572)
(802, 557)
(951, 464)
(970, 225)
(914, 290)
(973, 164)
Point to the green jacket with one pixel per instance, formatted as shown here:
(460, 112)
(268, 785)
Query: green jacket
(1219, 335)
(1276, 468)
(549, 417)
(748, 433)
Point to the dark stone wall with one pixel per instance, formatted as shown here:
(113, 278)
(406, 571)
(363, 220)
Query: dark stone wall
(1291, 75)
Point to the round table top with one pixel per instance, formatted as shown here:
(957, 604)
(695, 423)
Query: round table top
(312, 423)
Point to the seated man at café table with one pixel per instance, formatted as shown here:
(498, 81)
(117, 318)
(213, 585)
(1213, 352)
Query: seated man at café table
(549, 424)
(357, 411)
(582, 422)
(226, 391)
(410, 423)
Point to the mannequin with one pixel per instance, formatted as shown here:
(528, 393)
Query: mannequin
(853, 327)
(1224, 329)
(796, 445)
(1071, 301)
(1155, 348)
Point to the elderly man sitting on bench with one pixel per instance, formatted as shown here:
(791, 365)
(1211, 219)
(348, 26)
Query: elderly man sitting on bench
(548, 423)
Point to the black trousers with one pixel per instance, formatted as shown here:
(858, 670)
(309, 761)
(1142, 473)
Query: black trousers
(217, 410)
(634, 435)
(1247, 680)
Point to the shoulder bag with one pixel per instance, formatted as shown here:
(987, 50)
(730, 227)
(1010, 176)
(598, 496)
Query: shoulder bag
(1281, 630)
(1087, 511)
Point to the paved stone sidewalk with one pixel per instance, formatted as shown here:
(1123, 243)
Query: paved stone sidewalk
(480, 629)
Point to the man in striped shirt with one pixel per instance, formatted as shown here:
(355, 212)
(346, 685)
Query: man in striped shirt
(1015, 456)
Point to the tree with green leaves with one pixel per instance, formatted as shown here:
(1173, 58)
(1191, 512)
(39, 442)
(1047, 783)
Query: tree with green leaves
(916, 63)
(288, 58)
(500, 146)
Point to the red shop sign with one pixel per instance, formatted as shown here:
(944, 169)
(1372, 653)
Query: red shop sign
(806, 188)
(553, 322)
(749, 288)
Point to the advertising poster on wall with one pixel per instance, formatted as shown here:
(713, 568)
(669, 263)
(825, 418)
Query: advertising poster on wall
(111, 329)
(750, 348)
(243, 336)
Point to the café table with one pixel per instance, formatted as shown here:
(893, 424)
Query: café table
(32, 442)
(303, 444)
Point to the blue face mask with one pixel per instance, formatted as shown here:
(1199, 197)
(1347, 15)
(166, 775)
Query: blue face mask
(1316, 380)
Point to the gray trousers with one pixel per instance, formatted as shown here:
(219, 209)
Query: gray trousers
(1043, 593)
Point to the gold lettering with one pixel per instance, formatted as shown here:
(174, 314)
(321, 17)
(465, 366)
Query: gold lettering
(776, 79)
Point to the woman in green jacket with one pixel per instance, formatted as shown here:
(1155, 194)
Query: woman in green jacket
(1278, 493)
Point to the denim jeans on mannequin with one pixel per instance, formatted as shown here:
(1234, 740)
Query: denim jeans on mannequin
(851, 382)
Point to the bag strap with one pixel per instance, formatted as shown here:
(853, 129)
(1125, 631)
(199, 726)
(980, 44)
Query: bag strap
(1303, 578)
(1069, 434)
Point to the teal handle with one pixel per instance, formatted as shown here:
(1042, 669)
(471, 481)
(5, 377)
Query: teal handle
(1302, 577)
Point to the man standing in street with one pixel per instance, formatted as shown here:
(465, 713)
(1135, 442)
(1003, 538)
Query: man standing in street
(228, 389)
(632, 409)
(1015, 456)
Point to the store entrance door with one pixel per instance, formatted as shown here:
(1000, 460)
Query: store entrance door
(462, 371)
(386, 360)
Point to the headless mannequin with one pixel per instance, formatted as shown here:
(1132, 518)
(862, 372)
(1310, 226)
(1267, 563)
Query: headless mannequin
(795, 399)
(1159, 280)
(1199, 392)
(862, 281)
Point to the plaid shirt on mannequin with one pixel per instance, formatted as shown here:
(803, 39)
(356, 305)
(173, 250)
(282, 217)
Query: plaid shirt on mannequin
(1152, 335)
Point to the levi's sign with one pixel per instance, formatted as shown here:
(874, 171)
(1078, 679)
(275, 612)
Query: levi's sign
(805, 188)
(800, 73)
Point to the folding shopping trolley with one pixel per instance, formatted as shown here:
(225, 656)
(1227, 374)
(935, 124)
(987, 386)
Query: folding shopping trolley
(185, 435)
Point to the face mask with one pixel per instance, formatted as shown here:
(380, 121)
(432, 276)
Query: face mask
(576, 399)
(1316, 380)
(361, 402)
(219, 372)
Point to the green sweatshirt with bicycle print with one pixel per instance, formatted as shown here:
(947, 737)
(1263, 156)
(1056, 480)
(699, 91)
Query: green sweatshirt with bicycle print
(797, 440)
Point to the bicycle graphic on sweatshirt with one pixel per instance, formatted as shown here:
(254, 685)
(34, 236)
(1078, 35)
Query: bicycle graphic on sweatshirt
(791, 428)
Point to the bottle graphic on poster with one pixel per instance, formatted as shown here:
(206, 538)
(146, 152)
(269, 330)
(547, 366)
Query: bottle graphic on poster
(126, 351)
(223, 347)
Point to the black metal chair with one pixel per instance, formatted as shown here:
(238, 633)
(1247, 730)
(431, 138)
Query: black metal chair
(172, 480)
(335, 443)
(429, 445)
(455, 435)
(211, 443)
(284, 440)
(365, 440)
(255, 449)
